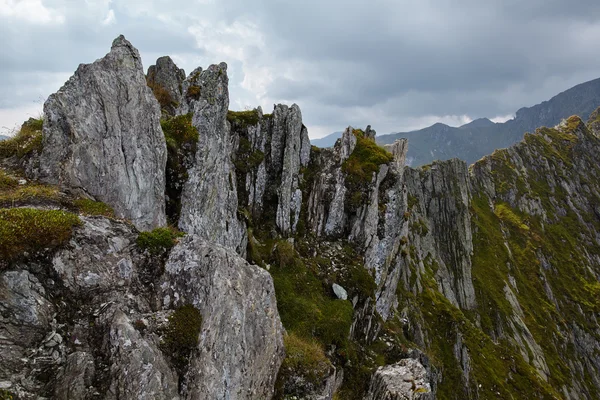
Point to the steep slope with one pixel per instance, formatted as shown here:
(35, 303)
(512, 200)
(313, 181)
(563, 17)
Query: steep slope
(478, 138)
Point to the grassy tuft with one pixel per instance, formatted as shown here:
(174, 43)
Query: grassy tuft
(25, 142)
(158, 241)
(243, 119)
(360, 167)
(91, 207)
(7, 182)
(193, 92)
(31, 230)
(305, 358)
(504, 212)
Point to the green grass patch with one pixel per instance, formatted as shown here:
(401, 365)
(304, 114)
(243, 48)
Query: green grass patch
(506, 214)
(32, 230)
(91, 207)
(243, 119)
(304, 358)
(360, 167)
(158, 241)
(247, 159)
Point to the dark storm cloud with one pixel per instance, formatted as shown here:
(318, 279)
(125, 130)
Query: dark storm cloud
(385, 62)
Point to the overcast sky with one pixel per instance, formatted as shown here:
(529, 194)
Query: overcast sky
(397, 65)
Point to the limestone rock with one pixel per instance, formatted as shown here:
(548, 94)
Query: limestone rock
(209, 199)
(26, 316)
(406, 380)
(139, 369)
(241, 341)
(102, 135)
(290, 150)
(102, 257)
(166, 81)
(76, 378)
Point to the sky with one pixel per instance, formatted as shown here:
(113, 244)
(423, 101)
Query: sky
(394, 64)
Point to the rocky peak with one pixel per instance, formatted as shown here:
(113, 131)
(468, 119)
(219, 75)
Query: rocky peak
(166, 81)
(209, 200)
(102, 135)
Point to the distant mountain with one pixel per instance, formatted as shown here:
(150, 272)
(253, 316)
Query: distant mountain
(2, 137)
(327, 141)
(472, 141)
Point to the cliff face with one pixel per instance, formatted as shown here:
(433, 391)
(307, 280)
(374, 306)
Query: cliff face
(445, 281)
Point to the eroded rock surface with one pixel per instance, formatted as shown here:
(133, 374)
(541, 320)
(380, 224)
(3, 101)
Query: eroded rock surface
(209, 200)
(406, 380)
(102, 135)
(241, 343)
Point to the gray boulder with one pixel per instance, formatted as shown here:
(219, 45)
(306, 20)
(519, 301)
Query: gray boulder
(209, 199)
(102, 135)
(241, 342)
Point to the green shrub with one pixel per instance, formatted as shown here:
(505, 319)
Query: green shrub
(243, 119)
(193, 92)
(91, 207)
(162, 95)
(31, 230)
(158, 241)
(25, 142)
(181, 336)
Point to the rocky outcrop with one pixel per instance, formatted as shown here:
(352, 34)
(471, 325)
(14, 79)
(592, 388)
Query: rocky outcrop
(166, 81)
(102, 135)
(241, 341)
(406, 380)
(326, 211)
(273, 152)
(209, 203)
(290, 151)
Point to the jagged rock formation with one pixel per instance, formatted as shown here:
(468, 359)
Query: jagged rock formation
(166, 81)
(102, 135)
(272, 152)
(446, 281)
(209, 198)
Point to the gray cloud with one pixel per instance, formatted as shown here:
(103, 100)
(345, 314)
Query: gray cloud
(392, 64)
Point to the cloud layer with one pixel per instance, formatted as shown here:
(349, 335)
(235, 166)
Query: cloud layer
(397, 65)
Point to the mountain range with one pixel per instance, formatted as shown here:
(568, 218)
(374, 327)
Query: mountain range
(472, 141)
